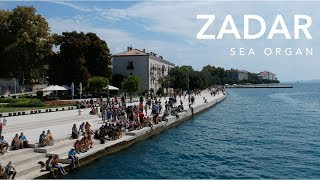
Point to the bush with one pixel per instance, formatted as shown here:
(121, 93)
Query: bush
(22, 102)
(60, 103)
(26, 103)
(7, 100)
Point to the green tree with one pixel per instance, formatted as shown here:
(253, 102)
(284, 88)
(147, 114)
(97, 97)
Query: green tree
(98, 57)
(116, 80)
(69, 63)
(165, 82)
(81, 56)
(179, 77)
(131, 84)
(97, 84)
(25, 43)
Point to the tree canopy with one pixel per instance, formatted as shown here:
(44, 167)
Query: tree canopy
(131, 84)
(179, 77)
(80, 57)
(97, 84)
(25, 44)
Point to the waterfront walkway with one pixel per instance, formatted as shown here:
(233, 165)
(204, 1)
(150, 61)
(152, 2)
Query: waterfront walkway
(60, 124)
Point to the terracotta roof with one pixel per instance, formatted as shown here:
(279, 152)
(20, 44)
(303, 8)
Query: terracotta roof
(132, 52)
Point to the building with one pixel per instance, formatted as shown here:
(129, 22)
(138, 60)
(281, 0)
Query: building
(12, 86)
(236, 74)
(146, 65)
(267, 75)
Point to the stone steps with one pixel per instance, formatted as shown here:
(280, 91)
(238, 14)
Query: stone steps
(12, 154)
(24, 159)
(58, 145)
(24, 169)
(50, 122)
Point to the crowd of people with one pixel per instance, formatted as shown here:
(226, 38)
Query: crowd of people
(18, 142)
(117, 117)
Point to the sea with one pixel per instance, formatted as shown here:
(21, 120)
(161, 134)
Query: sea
(253, 133)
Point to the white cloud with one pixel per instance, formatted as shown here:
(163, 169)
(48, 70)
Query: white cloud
(72, 5)
(178, 19)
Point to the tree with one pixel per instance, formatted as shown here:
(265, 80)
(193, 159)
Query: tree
(165, 82)
(98, 57)
(178, 77)
(116, 80)
(97, 84)
(25, 44)
(81, 56)
(131, 84)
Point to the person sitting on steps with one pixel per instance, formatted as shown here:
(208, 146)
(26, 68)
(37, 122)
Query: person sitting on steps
(73, 157)
(43, 141)
(49, 137)
(50, 168)
(75, 132)
(3, 145)
(3, 174)
(10, 170)
(23, 140)
(16, 144)
(55, 164)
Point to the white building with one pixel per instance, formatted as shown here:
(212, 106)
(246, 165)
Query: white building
(267, 75)
(147, 66)
(237, 74)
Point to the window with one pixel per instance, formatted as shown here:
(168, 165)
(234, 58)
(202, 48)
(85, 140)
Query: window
(130, 65)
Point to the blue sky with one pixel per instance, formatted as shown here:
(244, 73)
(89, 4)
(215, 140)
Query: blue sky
(169, 28)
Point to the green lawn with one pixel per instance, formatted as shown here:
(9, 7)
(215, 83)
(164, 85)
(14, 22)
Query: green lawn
(14, 109)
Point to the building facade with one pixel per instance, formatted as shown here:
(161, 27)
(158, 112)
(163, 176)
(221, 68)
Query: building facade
(267, 75)
(146, 65)
(237, 74)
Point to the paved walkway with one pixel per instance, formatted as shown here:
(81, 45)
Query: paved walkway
(60, 124)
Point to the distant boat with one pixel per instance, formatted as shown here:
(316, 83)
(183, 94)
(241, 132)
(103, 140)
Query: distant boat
(297, 82)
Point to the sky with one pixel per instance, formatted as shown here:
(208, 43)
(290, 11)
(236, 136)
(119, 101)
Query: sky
(169, 28)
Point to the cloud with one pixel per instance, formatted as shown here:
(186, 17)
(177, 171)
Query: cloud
(177, 20)
(72, 5)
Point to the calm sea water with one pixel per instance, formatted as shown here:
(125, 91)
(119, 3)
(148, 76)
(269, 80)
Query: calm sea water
(253, 133)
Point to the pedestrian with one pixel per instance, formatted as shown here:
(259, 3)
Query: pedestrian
(146, 108)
